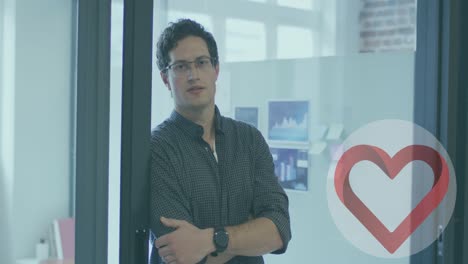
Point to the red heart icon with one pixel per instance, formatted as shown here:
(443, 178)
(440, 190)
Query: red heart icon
(392, 166)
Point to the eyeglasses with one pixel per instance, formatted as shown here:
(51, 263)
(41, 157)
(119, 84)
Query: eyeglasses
(182, 68)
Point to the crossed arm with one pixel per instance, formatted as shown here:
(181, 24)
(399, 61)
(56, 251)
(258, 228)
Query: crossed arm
(188, 244)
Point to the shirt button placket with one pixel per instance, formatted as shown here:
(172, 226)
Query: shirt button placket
(219, 189)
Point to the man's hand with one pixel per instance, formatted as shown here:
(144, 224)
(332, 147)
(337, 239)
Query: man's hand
(185, 245)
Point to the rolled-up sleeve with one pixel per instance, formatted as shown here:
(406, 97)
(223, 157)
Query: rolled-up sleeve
(270, 200)
(167, 197)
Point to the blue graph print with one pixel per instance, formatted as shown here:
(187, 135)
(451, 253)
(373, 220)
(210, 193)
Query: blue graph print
(288, 120)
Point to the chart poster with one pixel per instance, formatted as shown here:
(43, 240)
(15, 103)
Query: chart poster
(288, 121)
(291, 167)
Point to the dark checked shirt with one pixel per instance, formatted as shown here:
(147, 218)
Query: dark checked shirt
(188, 183)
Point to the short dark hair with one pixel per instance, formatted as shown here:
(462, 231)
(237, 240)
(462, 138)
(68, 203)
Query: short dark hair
(177, 31)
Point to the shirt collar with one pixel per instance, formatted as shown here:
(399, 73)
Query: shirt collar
(192, 128)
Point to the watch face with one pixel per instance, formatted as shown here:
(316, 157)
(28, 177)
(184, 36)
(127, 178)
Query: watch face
(221, 239)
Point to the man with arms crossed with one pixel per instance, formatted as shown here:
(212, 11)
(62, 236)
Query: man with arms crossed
(214, 195)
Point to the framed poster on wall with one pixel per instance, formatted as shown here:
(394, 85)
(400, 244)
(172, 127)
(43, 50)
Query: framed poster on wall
(291, 167)
(288, 121)
(248, 115)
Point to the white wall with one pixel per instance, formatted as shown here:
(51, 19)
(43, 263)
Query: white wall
(37, 119)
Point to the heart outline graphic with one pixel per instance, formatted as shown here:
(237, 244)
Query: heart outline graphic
(391, 241)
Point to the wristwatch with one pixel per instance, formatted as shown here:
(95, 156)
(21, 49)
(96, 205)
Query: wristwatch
(220, 240)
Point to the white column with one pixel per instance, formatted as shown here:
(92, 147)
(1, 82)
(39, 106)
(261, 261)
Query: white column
(7, 97)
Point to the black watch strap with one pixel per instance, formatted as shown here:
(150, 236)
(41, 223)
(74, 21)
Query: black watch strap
(220, 240)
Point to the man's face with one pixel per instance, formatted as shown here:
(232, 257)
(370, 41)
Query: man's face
(195, 88)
